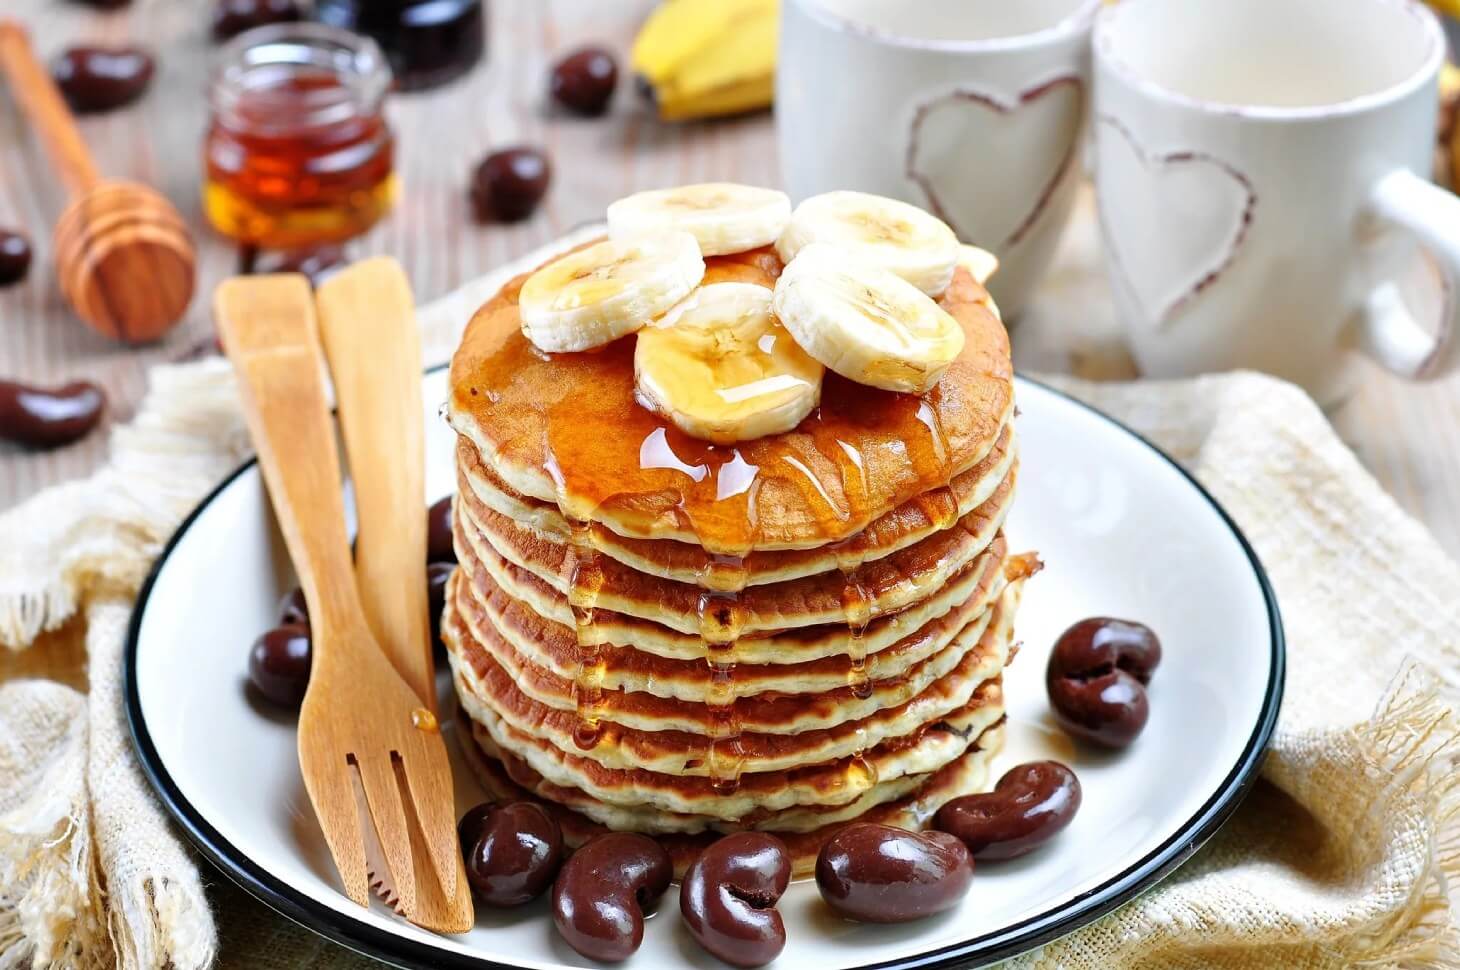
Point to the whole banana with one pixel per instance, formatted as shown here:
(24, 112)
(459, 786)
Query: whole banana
(702, 58)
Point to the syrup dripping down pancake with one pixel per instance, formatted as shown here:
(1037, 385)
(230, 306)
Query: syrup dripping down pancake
(796, 645)
(774, 712)
(886, 585)
(490, 694)
(505, 625)
(685, 562)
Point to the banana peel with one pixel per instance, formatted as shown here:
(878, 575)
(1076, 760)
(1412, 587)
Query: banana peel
(708, 58)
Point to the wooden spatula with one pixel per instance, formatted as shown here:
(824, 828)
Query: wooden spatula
(367, 321)
(360, 723)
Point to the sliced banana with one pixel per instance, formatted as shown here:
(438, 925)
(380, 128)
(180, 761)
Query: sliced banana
(725, 217)
(866, 323)
(723, 369)
(596, 295)
(896, 236)
(980, 263)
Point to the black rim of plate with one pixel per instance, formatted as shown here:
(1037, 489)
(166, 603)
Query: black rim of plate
(1000, 944)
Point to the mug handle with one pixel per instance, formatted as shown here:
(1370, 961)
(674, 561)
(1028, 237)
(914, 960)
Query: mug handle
(1389, 332)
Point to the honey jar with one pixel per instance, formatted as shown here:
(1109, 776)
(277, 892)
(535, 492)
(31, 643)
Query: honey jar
(298, 151)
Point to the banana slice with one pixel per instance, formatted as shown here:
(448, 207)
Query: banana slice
(596, 295)
(866, 323)
(894, 235)
(980, 263)
(725, 217)
(723, 369)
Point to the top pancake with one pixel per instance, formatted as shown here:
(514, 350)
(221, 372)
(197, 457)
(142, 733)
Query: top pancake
(566, 428)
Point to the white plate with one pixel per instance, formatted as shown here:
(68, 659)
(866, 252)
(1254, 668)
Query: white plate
(1124, 531)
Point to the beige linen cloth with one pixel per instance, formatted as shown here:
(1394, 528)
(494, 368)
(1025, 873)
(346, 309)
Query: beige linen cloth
(1341, 856)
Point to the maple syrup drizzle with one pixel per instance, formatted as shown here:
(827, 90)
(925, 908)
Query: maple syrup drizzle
(721, 618)
(585, 581)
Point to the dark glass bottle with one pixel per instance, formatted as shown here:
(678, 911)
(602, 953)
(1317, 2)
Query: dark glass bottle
(428, 42)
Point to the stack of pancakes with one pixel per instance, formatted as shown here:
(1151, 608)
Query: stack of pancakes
(654, 634)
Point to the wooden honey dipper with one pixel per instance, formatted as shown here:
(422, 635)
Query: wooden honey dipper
(124, 258)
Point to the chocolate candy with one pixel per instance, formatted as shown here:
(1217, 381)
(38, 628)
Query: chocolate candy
(729, 895)
(583, 82)
(881, 874)
(49, 417)
(1028, 807)
(509, 184)
(278, 665)
(14, 257)
(439, 547)
(102, 78)
(515, 853)
(1097, 676)
(232, 17)
(601, 891)
(293, 610)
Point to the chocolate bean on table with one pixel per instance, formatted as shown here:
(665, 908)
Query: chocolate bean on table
(583, 82)
(102, 78)
(515, 855)
(1030, 805)
(439, 546)
(233, 17)
(729, 895)
(40, 417)
(508, 185)
(1097, 676)
(278, 665)
(881, 874)
(14, 257)
(601, 891)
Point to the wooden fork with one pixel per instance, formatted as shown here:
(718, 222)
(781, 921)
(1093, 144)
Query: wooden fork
(360, 721)
(367, 322)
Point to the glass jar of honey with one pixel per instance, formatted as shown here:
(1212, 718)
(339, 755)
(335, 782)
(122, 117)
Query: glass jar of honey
(298, 151)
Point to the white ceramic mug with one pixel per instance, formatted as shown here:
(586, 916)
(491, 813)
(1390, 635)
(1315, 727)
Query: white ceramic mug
(1258, 171)
(972, 109)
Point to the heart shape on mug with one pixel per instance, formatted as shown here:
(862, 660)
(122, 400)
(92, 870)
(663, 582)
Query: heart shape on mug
(950, 133)
(1173, 222)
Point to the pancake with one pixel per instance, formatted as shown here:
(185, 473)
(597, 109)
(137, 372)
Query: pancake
(885, 585)
(508, 778)
(795, 645)
(687, 563)
(833, 783)
(777, 712)
(508, 627)
(566, 429)
(490, 694)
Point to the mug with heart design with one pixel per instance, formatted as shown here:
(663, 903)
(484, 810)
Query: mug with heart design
(1257, 168)
(971, 109)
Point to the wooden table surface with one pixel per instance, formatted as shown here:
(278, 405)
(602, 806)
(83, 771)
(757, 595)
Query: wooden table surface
(1408, 435)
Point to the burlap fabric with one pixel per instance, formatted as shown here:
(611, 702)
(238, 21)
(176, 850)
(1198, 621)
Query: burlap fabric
(1340, 857)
